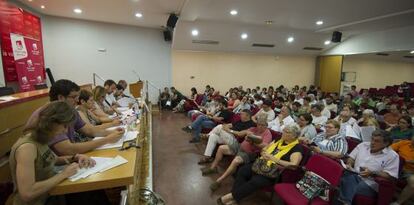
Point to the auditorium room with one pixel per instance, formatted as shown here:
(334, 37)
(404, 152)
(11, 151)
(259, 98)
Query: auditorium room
(207, 102)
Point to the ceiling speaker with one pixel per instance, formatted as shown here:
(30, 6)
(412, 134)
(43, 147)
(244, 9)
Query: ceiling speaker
(172, 20)
(167, 35)
(336, 37)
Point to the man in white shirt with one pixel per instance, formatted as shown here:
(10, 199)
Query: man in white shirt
(318, 119)
(110, 88)
(368, 160)
(282, 120)
(265, 110)
(330, 105)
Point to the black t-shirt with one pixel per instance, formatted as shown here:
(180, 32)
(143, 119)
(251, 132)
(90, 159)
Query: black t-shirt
(239, 125)
(296, 148)
(225, 114)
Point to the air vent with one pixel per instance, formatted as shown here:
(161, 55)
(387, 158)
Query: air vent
(408, 56)
(382, 54)
(312, 48)
(209, 42)
(263, 45)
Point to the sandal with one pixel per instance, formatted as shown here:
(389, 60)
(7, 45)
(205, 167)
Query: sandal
(205, 160)
(209, 171)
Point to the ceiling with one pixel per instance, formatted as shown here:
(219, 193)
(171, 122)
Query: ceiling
(212, 19)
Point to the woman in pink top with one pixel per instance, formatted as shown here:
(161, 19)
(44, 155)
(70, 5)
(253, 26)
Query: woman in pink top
(255, 139)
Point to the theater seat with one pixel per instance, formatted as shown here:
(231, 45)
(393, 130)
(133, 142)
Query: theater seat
(291, 195)
(352, 143)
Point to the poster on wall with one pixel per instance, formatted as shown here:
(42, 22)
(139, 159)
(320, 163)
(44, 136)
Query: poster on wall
(26, 28)
(28, 61)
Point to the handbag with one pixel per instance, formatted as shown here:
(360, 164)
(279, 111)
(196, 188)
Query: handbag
(260, 167)
(313, 185)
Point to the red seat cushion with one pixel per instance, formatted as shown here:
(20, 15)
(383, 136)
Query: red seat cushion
(291, 195)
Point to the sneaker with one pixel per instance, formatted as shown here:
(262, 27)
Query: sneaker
(214, 186)
(209, 171)
(186, 129)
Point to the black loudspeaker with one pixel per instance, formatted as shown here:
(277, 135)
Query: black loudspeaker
(336, 37)
(167, 35)
(172, 20)
(50, 76)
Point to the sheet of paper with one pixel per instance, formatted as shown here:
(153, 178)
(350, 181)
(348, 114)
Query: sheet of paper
(126, 137)
(115, 127)
(122, 109)
(350, 132)
(124, 102)
(102, 164)
(366, 133)
(345, 167)
(8, 98)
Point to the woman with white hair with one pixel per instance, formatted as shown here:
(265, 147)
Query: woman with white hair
(368, 119)
(266, 169)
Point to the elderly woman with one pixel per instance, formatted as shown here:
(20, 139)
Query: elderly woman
(307, 130)
(329, 143)
(32, 162)
(368, 119)
(285, 152)
(246, 152)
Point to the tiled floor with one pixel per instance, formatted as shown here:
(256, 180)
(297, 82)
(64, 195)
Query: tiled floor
(177, 176)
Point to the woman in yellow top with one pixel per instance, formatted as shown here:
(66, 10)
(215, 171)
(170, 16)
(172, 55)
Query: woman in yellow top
(286, 152)
(32, 162)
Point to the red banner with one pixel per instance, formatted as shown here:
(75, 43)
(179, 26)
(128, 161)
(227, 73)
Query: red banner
(14, 20)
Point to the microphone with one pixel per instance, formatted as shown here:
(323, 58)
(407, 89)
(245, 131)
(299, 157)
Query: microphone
(139, 77)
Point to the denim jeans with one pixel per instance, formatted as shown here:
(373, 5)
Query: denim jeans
(201, 122)
(352, 184)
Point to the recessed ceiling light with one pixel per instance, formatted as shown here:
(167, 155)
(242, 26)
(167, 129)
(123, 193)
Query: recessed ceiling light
(319, 22)
(234, 12)
(78, 11)
(412, 52)
(42, 7)
(194, 32)
(327, 42)
(269, 22)
(290, 39)
(30, 0)
(138, 15)
(244, 35)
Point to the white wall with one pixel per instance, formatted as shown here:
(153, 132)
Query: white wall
(375, 73)
(398, 39)
(71, 52)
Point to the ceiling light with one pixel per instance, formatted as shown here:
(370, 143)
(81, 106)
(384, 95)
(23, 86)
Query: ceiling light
(327, 42)
(30, 0)
(78, 11)
(244, 35)
(138, 15)
(42, 7)
(290, 39)
(319, 22)
(269, 22)
(412, 52)
(194, 32)
(233, 12)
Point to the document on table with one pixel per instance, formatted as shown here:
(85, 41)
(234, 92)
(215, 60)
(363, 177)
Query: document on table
(125, 101)
(115, 127)
(102, 164)
(127, 137)
(8, 98)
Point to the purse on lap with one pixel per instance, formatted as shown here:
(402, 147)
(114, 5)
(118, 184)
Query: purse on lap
(260, 167)
(313, 185)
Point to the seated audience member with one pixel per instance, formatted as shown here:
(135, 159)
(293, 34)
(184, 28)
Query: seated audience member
(63, 144)
(391, 118)
(317, 118)
(227, 134)
(294, 110)
(353, 92)
(395, 99)
(345, 118)
(369, 159)
(32, 162)
(177, 100)
(410, 110)
(208, 108)
(208, 121)
(407, 193)
(347, 100)
(265, 110)
(368, 119)
(245, 152)
(194, 93)
(306, 107)
(233, 101)
(85, 107)
(258, 102)
(244, 105)
(99, 97)
(330, 105)
(403, 130)
(285, 152)
(307, 130)
(165, 99)
(405, 149)
(312, 99)
(329, 143)
(282, 120)
(325, 112)
(110, 99)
